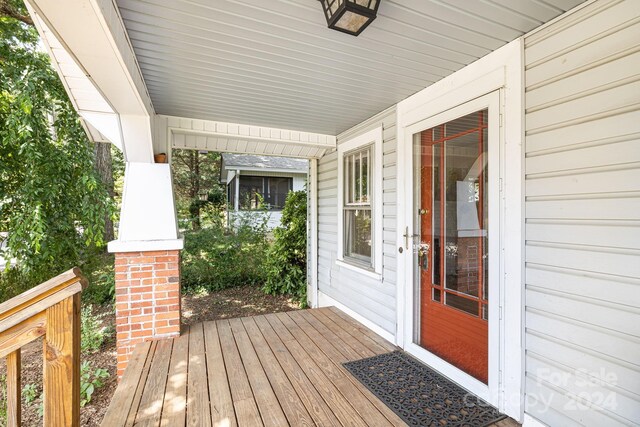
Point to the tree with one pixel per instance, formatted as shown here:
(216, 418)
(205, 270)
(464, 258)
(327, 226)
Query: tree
(193, 173)
(104, 169)
(52, 201)
(286, 263)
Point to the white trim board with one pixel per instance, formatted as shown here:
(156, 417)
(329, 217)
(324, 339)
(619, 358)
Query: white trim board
(189, 133)
(501, 70)
(325, 300)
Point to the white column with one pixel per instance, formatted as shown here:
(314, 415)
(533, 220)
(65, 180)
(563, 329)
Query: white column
(148, 215)
(312, 282)
(237, 200)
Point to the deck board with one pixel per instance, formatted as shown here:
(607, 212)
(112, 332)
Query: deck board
(174, 406)
(123, 402)
(270, 410)
(306, 355)
(328, 353)
(292, 405)
(308, 394)
(271, 370)
(198, 410)
(222, 412)
(152, 399)
(244, 402)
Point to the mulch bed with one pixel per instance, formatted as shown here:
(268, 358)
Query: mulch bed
(228, 303)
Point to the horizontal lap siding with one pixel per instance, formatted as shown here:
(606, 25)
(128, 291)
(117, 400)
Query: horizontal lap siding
(582, 191)
(373, 299)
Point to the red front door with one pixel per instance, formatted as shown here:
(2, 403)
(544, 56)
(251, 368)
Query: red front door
(452, 255)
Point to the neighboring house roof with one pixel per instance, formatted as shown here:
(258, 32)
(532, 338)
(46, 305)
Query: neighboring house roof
(245, 162)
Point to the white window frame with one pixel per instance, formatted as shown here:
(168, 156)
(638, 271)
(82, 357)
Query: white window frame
(371, 138)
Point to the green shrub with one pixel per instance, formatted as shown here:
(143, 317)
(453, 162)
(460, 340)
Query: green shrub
(14, 282)
(29, 393)
(96, 266)
(92, 334)
(215, 258)
(90, 380)
(102, 282)
(286, 264)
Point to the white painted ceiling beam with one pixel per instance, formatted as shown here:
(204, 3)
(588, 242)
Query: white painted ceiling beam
(210, 135)
(90, 50)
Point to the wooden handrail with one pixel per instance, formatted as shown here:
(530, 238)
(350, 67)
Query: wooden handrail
(52, 310)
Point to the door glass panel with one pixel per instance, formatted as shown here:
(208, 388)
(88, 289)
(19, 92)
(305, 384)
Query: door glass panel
(451, 190)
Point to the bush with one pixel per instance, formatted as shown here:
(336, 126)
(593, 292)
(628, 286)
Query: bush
(102, 281)
(92, 335)
(286, 264)
(215, 258)
(96, 266)
(14, 282)
(91, 379)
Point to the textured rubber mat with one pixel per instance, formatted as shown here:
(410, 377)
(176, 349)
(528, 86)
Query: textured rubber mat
(418, 394)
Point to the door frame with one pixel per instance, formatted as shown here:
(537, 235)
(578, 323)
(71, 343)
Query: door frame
(501, 71)
(489, 392)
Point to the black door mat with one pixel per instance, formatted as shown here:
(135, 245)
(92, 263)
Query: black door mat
(418, 394)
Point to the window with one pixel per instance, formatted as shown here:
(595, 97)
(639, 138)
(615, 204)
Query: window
(360, 202)
(357, 206)
(263, 193)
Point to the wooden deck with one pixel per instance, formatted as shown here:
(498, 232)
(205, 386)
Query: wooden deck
(273, 370)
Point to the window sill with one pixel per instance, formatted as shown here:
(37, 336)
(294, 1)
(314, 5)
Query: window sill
(364, 271)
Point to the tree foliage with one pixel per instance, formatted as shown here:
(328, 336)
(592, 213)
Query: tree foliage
(52, 202)
(286, 264)
(195, 173)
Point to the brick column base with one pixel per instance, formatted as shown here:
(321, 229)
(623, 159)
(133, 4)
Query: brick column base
(147, 299)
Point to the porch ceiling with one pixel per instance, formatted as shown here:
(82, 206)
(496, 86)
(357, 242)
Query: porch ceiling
(274, 63)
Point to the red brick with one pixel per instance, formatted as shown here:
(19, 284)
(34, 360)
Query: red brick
(141, 304)
(147, 296)
(142, 274)
(156, 253)
(164, 273)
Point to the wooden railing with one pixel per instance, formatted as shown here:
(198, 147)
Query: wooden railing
(50, 310)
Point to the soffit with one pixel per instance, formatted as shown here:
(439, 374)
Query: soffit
(274, 63)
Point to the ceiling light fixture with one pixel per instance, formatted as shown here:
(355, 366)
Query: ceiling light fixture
(350, 16)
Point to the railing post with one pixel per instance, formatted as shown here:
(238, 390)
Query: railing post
(14, 388)
(61, 375)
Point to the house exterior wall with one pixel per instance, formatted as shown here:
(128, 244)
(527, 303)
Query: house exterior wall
(372, 298)
(582, 208)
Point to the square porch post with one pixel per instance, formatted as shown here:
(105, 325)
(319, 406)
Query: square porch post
(147, 260)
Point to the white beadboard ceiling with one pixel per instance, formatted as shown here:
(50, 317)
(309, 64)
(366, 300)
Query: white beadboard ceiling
(274, 62)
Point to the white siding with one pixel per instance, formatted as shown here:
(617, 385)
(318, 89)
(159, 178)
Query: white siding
(582, 191)
(373, 299)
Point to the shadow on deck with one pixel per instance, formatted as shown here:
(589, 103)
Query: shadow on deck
(273, 370)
